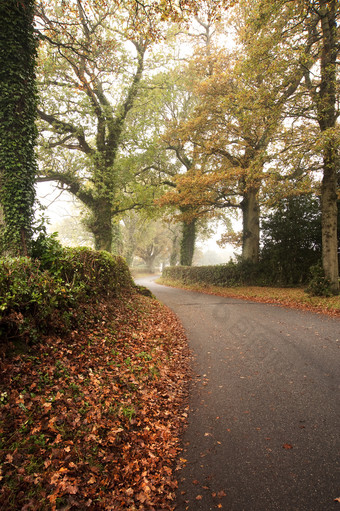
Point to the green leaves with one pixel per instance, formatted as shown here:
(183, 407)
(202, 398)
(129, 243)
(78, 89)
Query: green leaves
(17, 124)
(38, 295)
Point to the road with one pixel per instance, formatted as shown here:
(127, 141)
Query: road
(263, 430)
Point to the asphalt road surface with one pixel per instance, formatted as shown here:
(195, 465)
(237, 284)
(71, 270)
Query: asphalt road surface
(263, 430)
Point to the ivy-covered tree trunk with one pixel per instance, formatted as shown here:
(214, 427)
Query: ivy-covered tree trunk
(251, 226)
(100, 225)
(188, 242)
(17, 123)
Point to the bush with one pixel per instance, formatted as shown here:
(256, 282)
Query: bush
(92, 273)
(95, 274)
(319, 285)
(291, 239)
(45, 292)
(30, 298)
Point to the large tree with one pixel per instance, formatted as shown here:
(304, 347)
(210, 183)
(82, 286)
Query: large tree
(91, 65)
(17, 123)
(284, 29)
(240, 108)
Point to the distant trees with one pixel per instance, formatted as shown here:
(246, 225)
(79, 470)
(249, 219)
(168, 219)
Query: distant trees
(148, 239)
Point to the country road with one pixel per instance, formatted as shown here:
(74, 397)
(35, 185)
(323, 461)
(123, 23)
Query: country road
(263, 429)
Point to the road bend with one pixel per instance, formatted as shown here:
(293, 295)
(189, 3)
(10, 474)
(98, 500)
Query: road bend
(263, 431)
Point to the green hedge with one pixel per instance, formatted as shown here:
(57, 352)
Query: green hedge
(44, 293)
(243, 273)
(30, 298)
(230, 274)
(97, 273)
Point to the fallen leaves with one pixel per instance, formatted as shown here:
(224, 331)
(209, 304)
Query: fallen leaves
(287, 446)
(294, 298)
(92, 421)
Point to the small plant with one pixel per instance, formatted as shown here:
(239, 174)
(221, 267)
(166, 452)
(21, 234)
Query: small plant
(145, 356)
(3, 398)
(128, 411)
(319, 285)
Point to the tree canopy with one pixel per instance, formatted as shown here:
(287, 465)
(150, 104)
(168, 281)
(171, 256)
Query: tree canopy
(204, 107)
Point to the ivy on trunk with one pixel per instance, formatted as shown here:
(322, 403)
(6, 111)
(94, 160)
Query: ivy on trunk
(17, 123)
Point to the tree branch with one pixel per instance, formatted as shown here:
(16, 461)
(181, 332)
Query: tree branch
(62, 127)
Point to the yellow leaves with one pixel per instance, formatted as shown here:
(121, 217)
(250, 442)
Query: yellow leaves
(197, 192)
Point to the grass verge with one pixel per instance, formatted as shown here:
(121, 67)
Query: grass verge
(288, 297)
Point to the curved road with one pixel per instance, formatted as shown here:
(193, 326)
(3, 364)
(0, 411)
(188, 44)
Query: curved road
(264, 430)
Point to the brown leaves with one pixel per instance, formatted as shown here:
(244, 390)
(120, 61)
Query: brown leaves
(92, 421)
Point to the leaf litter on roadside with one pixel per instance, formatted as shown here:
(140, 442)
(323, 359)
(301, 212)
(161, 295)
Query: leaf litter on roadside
(92, 420)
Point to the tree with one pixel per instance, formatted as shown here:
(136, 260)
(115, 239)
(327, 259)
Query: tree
(291, 239)
(17, 123)
(324, 97)
(178, 104)
(312, 24)
(229, 132)
(91, 67)
(91, 47)
(72, 232)
(146, 238)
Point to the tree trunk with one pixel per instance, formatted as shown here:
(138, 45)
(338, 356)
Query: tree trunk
(188, 242)
(150, 264)
(17, 123)
(100, 225)
(329, 211)
(326, 110)
(251, 226)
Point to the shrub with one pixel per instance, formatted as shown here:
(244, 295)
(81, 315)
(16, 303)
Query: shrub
(319, 285)
(30, 298)
(291, 239)
(93, 273)
(47, 249)
(44, 293)
(100, 273)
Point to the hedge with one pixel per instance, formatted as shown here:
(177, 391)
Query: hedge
(38, 295)
(230, 274)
